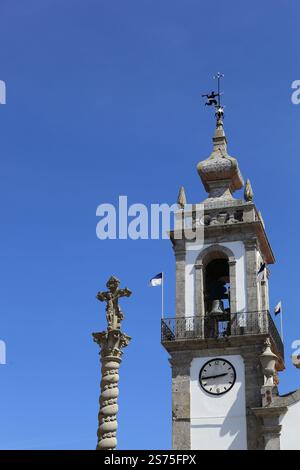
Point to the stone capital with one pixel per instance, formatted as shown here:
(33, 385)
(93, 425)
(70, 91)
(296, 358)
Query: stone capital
(111, 342)
(179, 252)
(250, 244)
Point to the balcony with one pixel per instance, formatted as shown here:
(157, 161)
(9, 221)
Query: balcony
(214, 327)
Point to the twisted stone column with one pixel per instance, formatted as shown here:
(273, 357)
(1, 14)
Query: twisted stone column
(111, 342)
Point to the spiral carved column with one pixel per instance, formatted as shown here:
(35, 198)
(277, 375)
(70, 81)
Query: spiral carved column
(111, 342)
(111, 357)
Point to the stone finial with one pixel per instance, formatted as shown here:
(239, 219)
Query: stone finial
(220, 173)
(248, 192)
(268, 363)
(181, 199)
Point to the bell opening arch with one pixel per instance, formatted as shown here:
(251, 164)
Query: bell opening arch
(215, 276)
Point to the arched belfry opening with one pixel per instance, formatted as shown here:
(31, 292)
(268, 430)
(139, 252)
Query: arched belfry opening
(217, 286)
(218, 292)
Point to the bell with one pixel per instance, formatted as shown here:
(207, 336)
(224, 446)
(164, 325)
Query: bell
(217, 307)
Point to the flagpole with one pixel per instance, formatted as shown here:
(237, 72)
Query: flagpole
(162, 295)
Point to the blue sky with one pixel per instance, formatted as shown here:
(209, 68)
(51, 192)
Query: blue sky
(103, 99)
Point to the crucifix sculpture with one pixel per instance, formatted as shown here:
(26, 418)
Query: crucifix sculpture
(114, 313)
(111, 342)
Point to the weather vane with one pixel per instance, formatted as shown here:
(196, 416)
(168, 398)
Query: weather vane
(214, 99)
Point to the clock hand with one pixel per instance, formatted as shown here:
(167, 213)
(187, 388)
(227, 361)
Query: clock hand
(215, 376)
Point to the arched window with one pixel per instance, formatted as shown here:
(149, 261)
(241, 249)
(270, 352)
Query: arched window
(215, 289)
(217, 286)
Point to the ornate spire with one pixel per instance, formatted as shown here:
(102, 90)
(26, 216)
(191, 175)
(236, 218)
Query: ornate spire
(219, 173)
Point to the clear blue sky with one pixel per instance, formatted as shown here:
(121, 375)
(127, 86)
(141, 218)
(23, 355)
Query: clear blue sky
(103, 99)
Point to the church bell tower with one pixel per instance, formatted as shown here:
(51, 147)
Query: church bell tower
(222, 328)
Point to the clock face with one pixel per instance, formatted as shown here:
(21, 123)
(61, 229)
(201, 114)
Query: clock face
(217, 376)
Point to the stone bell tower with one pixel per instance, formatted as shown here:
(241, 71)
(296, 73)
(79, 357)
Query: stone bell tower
(222, 335)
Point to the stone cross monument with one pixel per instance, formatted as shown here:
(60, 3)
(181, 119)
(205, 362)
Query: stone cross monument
(111, 342)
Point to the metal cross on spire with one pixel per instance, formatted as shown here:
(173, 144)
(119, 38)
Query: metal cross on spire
(214, 99)
(218, 77)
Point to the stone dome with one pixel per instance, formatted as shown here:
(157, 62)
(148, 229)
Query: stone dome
(220, 173)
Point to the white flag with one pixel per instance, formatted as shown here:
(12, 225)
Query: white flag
(277, 309)
(261, 271)
(156, 280)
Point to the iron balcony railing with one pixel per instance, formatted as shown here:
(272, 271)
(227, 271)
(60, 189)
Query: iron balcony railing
(227, 325)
